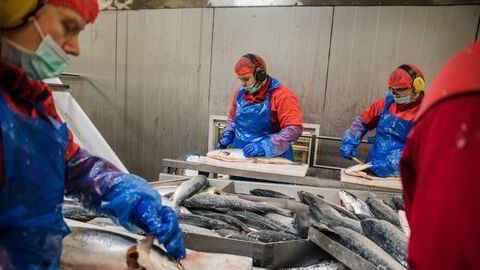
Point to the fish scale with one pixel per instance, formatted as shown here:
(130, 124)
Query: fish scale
(388, 237)
(188, 188)
(366, 248)
(383, 211)
(211, 201)
(257, 221)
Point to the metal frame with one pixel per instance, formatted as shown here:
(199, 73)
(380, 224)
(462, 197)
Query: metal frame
(170, 164)
(147, 4)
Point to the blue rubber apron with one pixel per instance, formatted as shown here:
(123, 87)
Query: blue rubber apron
(31, 220)
(390, 139)
(253, 121)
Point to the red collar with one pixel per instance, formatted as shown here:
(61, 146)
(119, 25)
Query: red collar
(16, 82)
(260, 95)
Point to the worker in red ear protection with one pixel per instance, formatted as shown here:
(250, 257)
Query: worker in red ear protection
(392, 118)
(265, 117)
(39, 162)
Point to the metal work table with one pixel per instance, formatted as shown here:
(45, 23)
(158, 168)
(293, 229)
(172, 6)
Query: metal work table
(170, 164)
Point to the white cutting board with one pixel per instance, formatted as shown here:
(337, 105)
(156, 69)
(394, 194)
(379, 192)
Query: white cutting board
(283, 169)
(372, 181)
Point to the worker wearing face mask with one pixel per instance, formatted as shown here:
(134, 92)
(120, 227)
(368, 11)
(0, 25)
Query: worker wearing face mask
(392, 118)
(39, 161)
(265, 117)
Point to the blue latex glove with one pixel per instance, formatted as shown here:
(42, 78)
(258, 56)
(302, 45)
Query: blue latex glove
(127, 198)
(219, 145)
(253, 149)
(352, 138)
(154, 218)
(226, 139)
(348, 151)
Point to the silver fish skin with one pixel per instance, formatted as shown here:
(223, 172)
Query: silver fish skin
(399, 202)
(256, 221)
(390, 203)
(181, 209)
(352, 202)
(227, 232)
(187, 189)
(225, 218)
(302, 222)
(269, 193)
(77, 212)
(383, 211)
(388, 237)
(103, 222)
(204, 222)
(325, 214)
(211, 201)
(310, 199)
(366, 248)
(286, 222)
(267, 236)
(242, 237)
(94, 249)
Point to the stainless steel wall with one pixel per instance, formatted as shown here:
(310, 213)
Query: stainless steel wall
(154, 76)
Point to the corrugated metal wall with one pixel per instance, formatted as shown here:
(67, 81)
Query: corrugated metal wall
(154, 76)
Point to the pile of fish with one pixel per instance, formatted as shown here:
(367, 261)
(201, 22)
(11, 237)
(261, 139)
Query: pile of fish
(371, 228)
(89, 247)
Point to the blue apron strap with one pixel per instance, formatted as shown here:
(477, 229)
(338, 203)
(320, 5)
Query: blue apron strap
(388, 101)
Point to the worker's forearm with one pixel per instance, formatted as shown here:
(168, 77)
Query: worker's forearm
(354, 135)
(103, 188)
(279, 143)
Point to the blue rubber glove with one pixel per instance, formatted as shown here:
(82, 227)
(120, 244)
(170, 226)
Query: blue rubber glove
(352, 138)
(219, 145)
(227, 139)
(253, 149)
(161, 221)
(348, 151)
(126, 198)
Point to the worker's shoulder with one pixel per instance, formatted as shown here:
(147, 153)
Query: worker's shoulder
(282, 91)
(378, 103)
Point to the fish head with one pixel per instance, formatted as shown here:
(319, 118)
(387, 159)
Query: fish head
(347, 199)
(306, 197)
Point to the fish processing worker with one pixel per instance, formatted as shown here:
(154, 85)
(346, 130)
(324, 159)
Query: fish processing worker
(265, 117)
(392, 118)
(439, 169)
(39, 162)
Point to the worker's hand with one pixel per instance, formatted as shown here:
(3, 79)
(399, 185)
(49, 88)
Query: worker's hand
(348, 151)
(253, 149)
(219, 145)
(225, 140)
(161, 221)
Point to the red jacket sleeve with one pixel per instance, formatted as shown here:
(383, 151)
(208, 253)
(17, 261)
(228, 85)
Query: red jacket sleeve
(233, 108)
(285, 104)
(371, 115)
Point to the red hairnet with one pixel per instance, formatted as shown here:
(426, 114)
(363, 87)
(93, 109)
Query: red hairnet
(245, 66)
(88, 9)
(401, 78)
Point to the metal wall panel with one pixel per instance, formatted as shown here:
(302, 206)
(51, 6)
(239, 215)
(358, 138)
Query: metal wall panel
(293, 41)
(167, 80)
(159, 4)
(96, 93)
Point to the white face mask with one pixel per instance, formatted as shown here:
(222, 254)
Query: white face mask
(48, 61)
